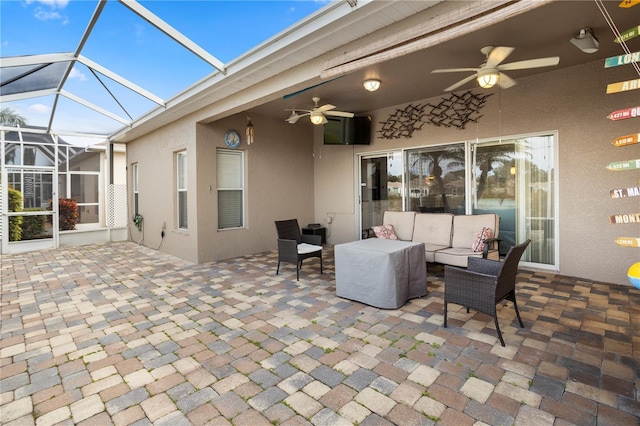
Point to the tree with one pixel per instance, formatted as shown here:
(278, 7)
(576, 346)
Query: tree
(8, 117)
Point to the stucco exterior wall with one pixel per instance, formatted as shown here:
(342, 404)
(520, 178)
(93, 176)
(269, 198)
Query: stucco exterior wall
(279, 184)
(572, 102)
(155, 155)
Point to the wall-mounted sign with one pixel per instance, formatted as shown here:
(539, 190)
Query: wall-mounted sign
(617, 219)
(623, 86)
(616, 61)
(628, 35)
(628, 3)
(618, 166)
(634, 191)
(627, 140)
(623, 114)
(628, 242)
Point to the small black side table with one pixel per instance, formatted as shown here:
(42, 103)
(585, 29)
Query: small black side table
(322, 231)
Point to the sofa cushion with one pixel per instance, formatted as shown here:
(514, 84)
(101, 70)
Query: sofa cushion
(466, 227)
(385, 231)
(433, 228)
(402, 223)
(430, 251)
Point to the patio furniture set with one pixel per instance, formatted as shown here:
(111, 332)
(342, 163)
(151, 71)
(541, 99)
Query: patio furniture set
(388, 270)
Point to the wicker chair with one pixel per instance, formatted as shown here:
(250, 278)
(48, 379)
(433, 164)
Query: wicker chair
(484, 284)
(294, 247)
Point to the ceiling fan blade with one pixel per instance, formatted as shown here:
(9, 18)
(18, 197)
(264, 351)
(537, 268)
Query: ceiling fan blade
(530, 63)
(297, 109)
(504, 81)
(455, 70)
(339, 114)
(293, 118)
(497, 55)
(326, 107)
(460, 83)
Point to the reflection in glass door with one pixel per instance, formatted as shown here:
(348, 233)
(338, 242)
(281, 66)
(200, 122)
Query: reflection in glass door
(381, 187)
(516, 180)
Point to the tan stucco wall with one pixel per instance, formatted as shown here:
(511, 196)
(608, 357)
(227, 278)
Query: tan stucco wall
(572, 102)
(155, 155)
(279, 179)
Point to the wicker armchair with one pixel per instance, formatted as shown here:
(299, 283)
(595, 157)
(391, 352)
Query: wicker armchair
(484, 284)
(294, 247)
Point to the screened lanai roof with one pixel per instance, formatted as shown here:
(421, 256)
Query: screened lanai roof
(116, 60)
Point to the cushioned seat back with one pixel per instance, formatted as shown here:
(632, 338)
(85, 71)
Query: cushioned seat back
(402, 223)
(433, 228)
(466, 227)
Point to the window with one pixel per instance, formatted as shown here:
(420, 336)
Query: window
(134, 178)
(230, 178)
(181, 158)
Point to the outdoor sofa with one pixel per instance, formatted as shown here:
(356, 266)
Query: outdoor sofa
(448, 239)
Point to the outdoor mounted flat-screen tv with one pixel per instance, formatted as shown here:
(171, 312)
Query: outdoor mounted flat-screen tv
(347, 131)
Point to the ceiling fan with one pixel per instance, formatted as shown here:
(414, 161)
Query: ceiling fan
(317, 114)
(490, 72)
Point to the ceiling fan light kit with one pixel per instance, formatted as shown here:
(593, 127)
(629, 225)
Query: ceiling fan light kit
(487, 78)
(316, 117)
(586, 41)
(371, 84)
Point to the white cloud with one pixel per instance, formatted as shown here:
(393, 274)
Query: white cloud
(54, 4)
(77, 75)
(39, 109)
(47, 11)
(44, 15)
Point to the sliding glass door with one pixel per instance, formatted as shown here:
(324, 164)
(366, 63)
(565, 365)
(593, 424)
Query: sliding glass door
(516, 180)
(381, 187)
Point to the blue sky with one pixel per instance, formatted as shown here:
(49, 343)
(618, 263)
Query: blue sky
(132, 48)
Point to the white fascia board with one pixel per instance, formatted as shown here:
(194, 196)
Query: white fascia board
(147, 15)
(118, 79)
(49, 58)
(94, 107)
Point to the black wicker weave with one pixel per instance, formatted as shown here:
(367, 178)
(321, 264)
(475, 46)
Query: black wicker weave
(484, 284)
(289, 237)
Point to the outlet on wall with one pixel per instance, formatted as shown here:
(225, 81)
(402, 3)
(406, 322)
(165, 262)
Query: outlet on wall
(329, 219)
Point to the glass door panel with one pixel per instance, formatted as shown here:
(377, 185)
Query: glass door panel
(516, 180)
(380, 187)
(436, 179)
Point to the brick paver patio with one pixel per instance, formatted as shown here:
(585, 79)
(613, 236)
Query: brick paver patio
(121, 334)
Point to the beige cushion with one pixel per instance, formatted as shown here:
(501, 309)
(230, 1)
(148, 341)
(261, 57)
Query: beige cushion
(466, 227)
(433, 228)
(402, 223)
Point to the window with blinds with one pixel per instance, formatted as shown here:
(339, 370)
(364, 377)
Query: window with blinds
(230, 178)
(181, 160)
(134, 178)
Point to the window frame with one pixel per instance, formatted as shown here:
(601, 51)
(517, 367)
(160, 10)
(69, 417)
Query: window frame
(134, 184)
(242, 187)
(182, 189)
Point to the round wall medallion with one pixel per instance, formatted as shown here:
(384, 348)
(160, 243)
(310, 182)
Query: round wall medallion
(232, 139)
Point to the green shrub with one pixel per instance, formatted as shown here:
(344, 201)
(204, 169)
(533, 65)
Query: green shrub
(15, 222)
(33, 226)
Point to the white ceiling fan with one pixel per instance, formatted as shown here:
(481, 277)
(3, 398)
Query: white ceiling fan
(317, 114)
(490, 72)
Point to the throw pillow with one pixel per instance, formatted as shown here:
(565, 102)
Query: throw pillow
(385, 231)
(478, 243)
